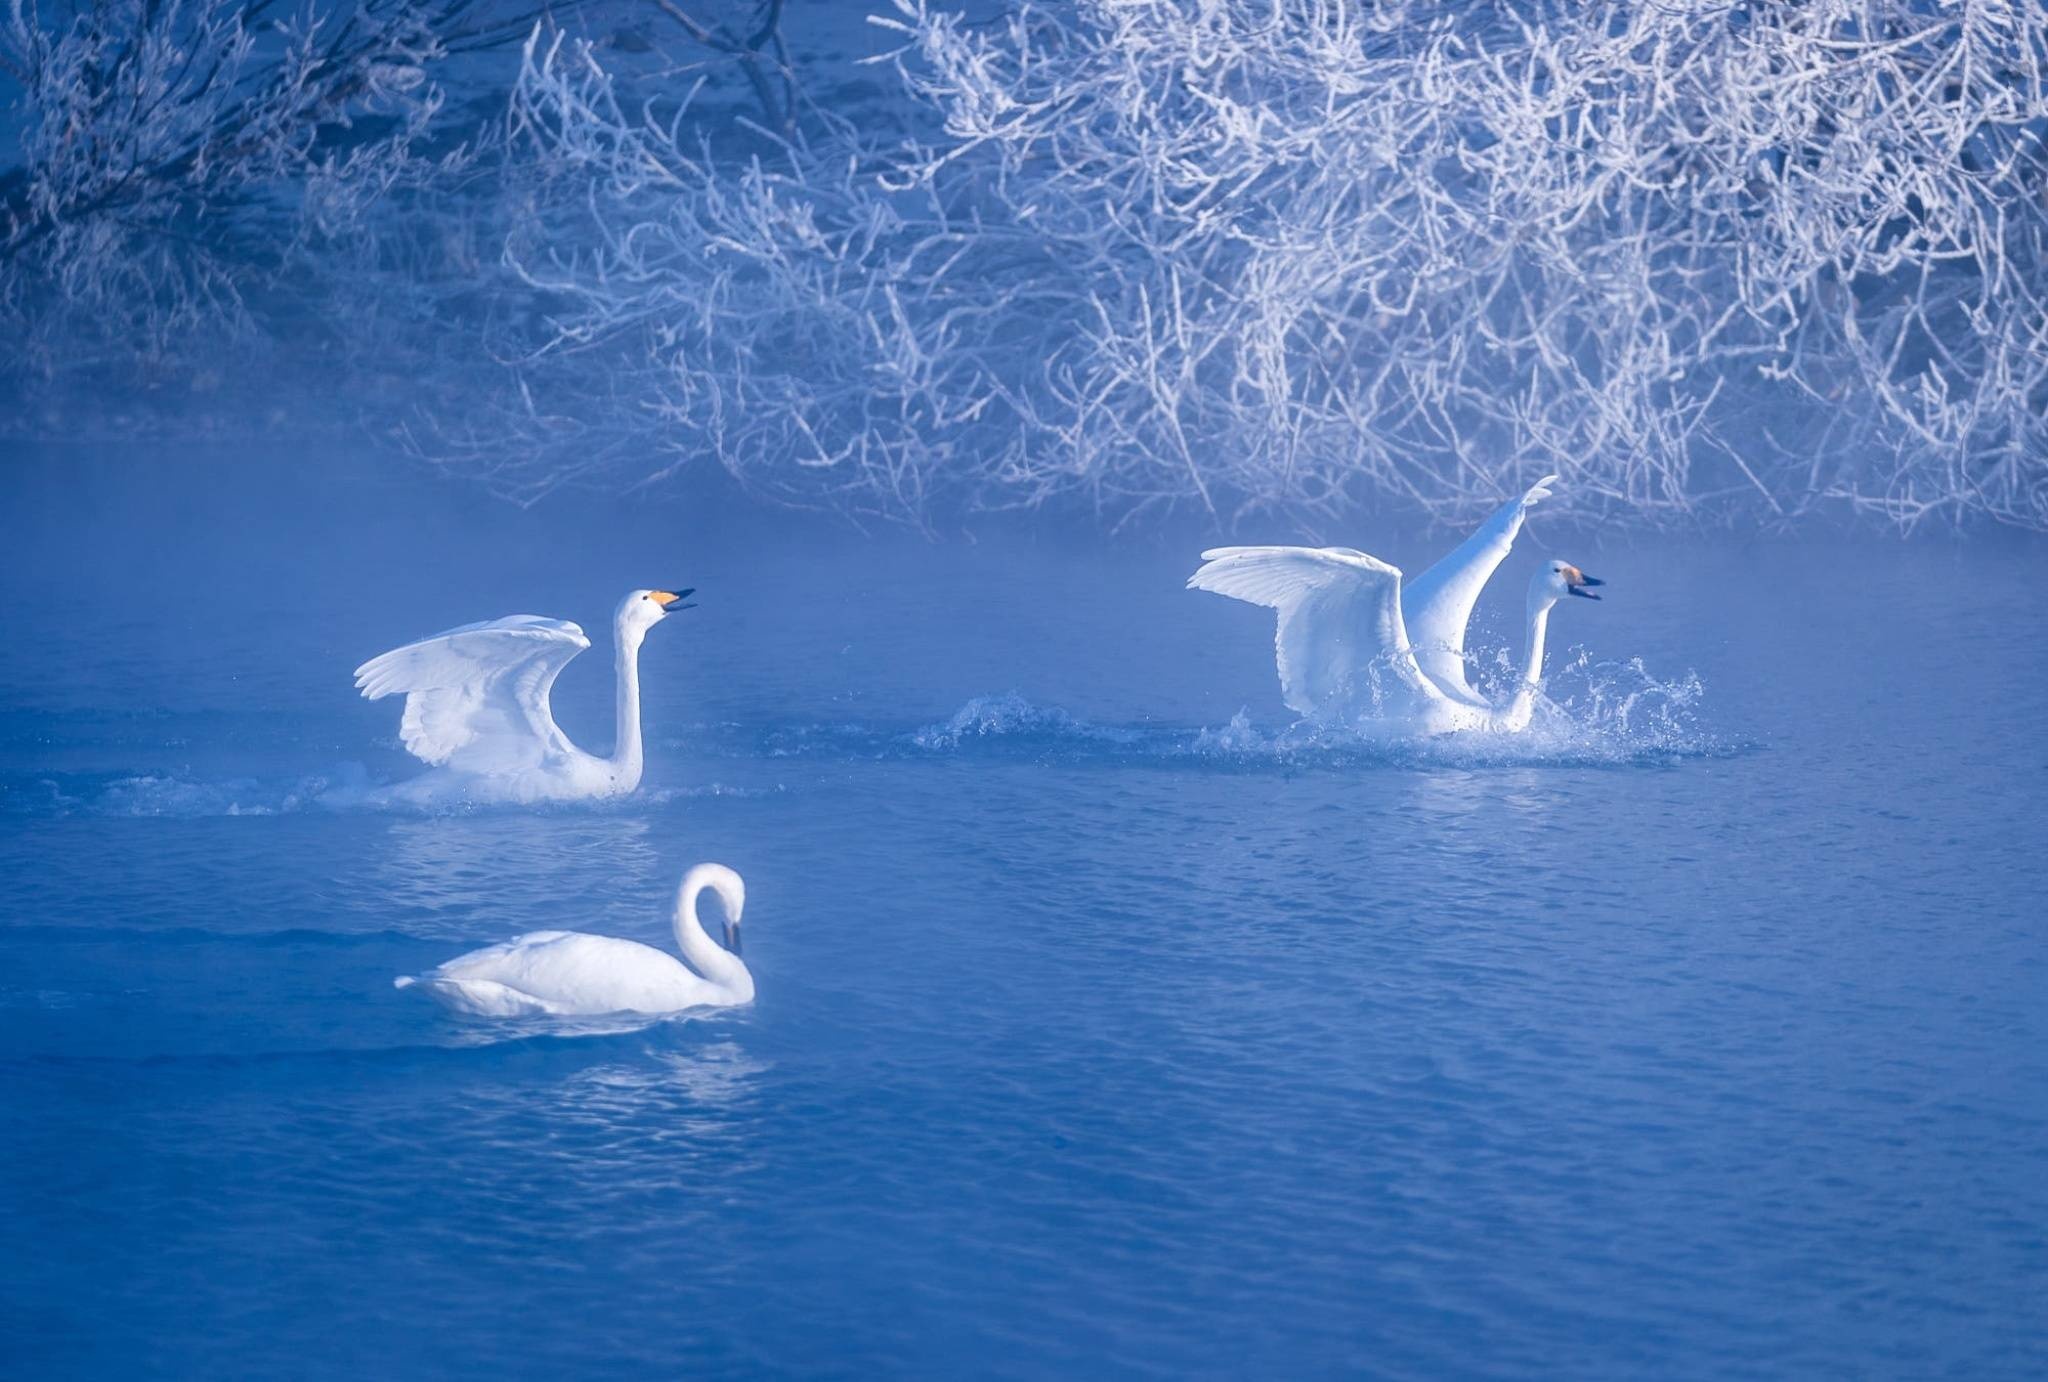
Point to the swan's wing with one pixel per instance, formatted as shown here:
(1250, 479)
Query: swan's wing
(477, 997)
(1438, 604)
(1339, 615)
(477, 697)
(567, 972)
(499, 963)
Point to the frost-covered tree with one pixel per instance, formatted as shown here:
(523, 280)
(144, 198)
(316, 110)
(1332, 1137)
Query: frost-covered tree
(1700, 257)
(184, 175)
(1704, 259)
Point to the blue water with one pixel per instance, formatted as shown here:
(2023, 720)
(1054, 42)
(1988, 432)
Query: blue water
(1107, 1024)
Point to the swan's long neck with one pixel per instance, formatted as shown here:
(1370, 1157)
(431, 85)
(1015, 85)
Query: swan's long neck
(627, 757)
(1539, 629)
(710, 959)
(1524, 702)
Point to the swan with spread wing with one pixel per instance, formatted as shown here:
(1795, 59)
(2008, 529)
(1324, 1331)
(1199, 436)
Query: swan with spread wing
(1352, 642)
(477, 710)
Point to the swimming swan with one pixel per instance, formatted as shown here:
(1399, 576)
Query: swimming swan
(476, 706)
(571, 974)
(1351, 641)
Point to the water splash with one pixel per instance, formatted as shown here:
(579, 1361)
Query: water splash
(661, 796)
(1011, 716)
(177, 796)
(1593, 713)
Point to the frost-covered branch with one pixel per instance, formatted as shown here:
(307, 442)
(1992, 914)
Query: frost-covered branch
(1703, 259)
(178, 160)
(1308, 253)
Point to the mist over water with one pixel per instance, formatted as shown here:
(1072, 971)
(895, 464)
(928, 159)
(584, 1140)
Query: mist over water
(1108, 1021)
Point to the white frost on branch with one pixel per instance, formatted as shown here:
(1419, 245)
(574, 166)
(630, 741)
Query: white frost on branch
(175, 161)
(1300, 254)
(1706, 260)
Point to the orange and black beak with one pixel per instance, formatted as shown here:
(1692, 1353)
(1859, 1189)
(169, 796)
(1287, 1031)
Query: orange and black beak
(671, 601)
(1576, 581)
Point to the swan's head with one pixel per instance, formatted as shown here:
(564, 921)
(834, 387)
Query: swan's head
(1558, 579)
(732, 922)
(641, 610)
(732, 896)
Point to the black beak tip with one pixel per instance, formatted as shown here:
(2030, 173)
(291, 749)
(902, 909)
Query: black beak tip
(1589, 580)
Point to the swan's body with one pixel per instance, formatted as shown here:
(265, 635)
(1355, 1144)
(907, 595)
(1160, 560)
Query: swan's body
(1352, 644)
(476, 706)
(571, 974)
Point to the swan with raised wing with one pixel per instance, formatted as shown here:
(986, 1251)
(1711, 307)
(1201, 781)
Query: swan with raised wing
(477, 708)
(1352, 643)
(573, 974)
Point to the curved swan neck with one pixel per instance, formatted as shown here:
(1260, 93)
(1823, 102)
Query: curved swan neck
(1539, 628)
(627, 755)
(710, 959)
(1523, 704)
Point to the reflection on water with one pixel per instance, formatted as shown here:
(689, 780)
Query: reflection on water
(702, 1099)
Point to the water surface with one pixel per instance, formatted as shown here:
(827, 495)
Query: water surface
(1107, 1024)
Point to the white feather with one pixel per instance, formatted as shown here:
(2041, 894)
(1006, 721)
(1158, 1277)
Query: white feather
(1437, 605)
(1338, 615)
(571, 973)
(476, 697)
(1343, 626)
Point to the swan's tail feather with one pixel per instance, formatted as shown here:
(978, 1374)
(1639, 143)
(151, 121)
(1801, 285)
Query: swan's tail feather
(404, 981)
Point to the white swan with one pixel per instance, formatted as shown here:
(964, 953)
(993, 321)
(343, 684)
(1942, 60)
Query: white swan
(1352, 642)
(571, 974)
(476, 706)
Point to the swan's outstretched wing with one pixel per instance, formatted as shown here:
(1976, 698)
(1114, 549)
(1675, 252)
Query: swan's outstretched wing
(477, 697)
(1438, 604)
(1339, 615)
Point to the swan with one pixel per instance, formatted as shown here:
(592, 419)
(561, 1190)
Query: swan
(572, 974)
(476, 706)
(1351, 641)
